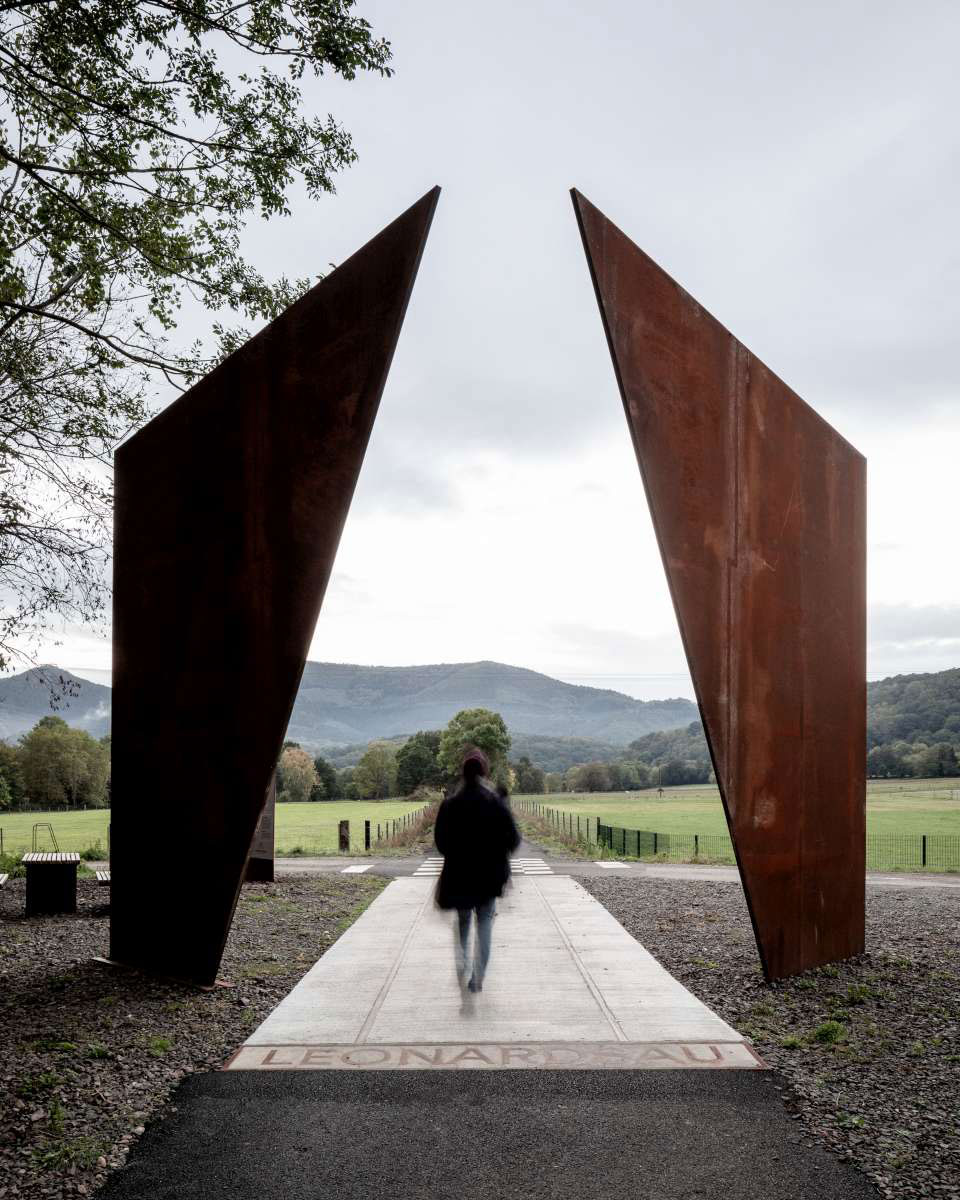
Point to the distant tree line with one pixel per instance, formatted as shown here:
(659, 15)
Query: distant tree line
(55, 767)
(667, 758)
(913, 730)
(430, 759)
(913, 726)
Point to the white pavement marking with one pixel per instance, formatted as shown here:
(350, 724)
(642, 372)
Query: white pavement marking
(567, 986)
(430, 866)
(530, 866)
(355, 870)
(613, 866)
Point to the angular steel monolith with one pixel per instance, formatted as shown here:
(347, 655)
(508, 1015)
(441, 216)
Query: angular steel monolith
(759, 510)
(229, 509)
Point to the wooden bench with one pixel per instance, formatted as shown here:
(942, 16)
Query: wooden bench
(51, 882)
(103, 878)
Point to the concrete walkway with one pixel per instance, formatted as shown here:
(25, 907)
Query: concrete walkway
(567, 987)
(377, 1077)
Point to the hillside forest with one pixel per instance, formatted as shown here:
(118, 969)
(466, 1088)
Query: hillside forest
(913, 730)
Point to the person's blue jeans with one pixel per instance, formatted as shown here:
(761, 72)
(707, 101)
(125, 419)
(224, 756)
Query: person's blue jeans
(481, 950)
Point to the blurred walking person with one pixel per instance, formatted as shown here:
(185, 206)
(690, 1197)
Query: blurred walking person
(476, 834)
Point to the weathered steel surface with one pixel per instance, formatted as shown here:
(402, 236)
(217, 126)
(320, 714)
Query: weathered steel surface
(260, 864)
(229, 509)
(759, 510)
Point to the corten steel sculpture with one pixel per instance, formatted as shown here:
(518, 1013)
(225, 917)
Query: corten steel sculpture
(758, 506)
(229, 508)
(261, 858)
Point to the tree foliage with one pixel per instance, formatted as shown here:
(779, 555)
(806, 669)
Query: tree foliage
(417, 762)
(528, 780)
(375, 775)
(11, 772)
(62, 767)
(136, 140)
(296, 775)
(328, 783)
(474, 727)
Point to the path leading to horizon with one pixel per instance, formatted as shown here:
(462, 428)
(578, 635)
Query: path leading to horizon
(582, 1071)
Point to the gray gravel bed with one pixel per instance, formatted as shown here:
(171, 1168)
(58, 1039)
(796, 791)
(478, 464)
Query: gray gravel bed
(868, 1051)
(90, 1052)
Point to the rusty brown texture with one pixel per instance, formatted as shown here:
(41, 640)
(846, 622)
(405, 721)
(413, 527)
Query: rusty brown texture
(229, 508)
(260, 862)
(759, 511)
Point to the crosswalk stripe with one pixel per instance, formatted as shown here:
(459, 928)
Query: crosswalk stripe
(522, 866)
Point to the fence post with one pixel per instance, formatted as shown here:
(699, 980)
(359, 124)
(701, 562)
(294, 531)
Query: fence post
(366, 835)
(378, 831)
(343, 836)
(923, 854)
(696, 845)
(654, 844)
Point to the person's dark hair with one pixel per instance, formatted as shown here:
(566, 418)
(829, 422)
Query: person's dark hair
(474, 765)
(502, 791)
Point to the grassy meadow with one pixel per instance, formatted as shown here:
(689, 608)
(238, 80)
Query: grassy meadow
(893, 806)
(904, 809)
(310, 827)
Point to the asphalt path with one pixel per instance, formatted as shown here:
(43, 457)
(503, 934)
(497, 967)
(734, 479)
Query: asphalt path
(481, 1135)
(462, 1135)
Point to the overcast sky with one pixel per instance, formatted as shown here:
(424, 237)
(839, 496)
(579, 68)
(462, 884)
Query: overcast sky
(795, 167)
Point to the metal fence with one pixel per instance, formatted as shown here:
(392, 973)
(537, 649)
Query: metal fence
(885, 851)
(387, 830)
(670, 847)
(913, 852)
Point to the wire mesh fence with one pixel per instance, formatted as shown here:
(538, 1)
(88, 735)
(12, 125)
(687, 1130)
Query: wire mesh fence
(669, 847)
(885, 851)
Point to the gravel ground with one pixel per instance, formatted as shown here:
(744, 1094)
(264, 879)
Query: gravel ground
(868, 1050)
(90, 1052)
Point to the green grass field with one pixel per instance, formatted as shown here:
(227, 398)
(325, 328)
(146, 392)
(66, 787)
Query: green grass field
(893, 806)
(312, 827)
(907, 806)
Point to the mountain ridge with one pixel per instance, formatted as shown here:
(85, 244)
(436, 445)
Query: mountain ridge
(339, 704)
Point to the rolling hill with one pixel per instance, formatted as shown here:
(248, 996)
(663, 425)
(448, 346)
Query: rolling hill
(43, 691)
(341, 704)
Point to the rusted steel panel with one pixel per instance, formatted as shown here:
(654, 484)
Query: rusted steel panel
(759, 510)
(229, 509)
(260, 863)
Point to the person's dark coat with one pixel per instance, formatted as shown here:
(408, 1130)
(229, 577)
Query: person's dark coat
(475, 832)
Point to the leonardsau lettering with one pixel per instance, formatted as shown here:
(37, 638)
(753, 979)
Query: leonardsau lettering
(430, 1057)
(711, 1051)
(361, 1056)
(498, 1056)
